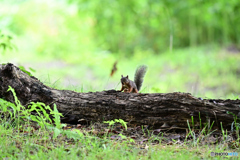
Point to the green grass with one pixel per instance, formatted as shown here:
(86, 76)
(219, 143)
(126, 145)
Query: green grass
(36, 147)
(40, 144)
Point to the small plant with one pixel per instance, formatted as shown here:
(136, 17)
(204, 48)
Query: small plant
(6, 109)
(42, 116)
(235, 126)
(112, 122)
(25, 70)
(235, 123)
(192, 134)
(6, 42)
(224, 133)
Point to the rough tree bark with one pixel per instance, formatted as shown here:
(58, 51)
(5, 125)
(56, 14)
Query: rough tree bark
(157, 110)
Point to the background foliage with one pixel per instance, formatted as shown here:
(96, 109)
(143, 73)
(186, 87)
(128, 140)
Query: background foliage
(189, 46)
(157, 25)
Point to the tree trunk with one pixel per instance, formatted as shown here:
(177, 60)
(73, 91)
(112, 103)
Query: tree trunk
(170, 110)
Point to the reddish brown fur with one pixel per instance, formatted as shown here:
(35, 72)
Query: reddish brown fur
(128, 88)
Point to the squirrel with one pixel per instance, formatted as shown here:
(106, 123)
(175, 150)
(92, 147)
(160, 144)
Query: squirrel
(134, 87)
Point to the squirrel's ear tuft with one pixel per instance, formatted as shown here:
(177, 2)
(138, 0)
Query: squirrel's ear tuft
(127, 76)
(122, 76)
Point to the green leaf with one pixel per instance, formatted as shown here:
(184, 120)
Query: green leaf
(56, 132)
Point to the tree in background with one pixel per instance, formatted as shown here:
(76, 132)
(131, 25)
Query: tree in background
(157, 25)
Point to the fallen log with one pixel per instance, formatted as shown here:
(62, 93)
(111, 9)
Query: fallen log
(156, 109)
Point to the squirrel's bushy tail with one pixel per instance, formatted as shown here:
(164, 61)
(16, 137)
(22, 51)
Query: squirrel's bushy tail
(139, 75)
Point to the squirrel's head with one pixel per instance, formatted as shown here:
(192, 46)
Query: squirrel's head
(124, 80)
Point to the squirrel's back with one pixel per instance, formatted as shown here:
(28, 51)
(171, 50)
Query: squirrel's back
(139, 75)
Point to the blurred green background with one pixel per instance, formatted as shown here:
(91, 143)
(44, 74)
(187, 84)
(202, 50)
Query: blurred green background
(189, 46)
